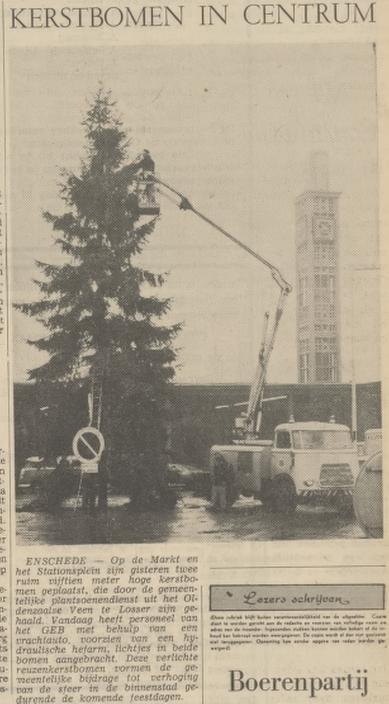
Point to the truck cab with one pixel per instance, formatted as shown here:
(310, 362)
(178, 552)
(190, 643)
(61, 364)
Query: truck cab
(319, 458)
(306, 462)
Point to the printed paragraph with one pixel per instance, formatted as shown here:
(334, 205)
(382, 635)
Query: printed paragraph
(126, 631)
(227, 630)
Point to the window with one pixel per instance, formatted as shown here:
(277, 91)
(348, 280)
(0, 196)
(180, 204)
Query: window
(322, 439)
(303, 292)
(322, 205)
(322, 367)
(283, 440)
(304, 368)
(332, 366)
(325, 359)
(324, 254)
(304, 361)
(297, 440)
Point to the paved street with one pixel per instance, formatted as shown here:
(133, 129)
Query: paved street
(191, 520)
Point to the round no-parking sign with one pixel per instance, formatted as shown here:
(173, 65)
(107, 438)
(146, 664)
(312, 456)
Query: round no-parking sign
(88, 444)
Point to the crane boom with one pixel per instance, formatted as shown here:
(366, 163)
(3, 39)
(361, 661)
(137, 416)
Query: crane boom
(185, 204)
(254, 410)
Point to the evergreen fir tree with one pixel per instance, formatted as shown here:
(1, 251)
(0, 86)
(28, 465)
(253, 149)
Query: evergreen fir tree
(103, 321)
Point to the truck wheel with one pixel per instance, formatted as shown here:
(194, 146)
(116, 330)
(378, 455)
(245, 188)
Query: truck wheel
(283, 495)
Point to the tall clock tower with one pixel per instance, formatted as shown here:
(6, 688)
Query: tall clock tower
(318, 335)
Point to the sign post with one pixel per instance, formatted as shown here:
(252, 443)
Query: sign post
(88, 447)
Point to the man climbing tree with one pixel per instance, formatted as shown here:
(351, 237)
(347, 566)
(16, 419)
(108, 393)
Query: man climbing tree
(103, 321)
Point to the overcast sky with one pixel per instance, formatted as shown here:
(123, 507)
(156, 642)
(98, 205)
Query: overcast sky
(232, 128)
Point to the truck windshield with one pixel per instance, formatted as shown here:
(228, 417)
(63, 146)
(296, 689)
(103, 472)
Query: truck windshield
(322, 440)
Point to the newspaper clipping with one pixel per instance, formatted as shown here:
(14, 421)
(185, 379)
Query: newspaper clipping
(193, 332)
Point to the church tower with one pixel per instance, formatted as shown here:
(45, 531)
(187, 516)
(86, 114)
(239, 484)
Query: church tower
(318, 334)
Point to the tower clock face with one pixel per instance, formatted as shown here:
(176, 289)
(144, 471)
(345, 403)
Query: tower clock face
(324, 228)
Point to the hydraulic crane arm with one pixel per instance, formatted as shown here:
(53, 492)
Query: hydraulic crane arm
(254, 410)
(185, 204)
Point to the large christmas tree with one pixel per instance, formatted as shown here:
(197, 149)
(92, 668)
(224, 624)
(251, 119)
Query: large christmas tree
(102, 316)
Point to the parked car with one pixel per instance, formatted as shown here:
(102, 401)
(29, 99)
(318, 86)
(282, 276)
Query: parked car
(49, 482)
(34, 471)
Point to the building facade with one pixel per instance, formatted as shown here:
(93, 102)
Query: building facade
(318, 333)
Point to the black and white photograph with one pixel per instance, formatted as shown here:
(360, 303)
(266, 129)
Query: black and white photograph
(195, 284)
